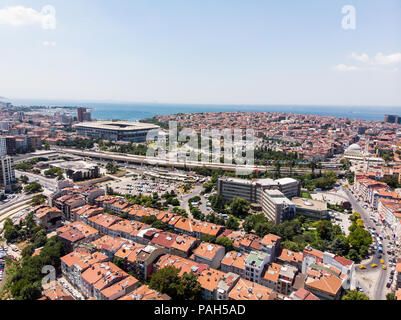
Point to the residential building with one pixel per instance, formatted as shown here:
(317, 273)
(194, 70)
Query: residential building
(247, 290)
(225, 285)
(255, 264)
(145, 293)
(209, 280)
(47, 217)
(210, 254)
(77, 262)
(7, 173)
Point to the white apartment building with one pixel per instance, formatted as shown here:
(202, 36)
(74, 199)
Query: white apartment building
(7, 174)
(255, 264)
(3, 146)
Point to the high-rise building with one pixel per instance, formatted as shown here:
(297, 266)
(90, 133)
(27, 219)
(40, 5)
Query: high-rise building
(83, 115)
(390, 118)
(3, 146)
(11, 145)
(7, 174)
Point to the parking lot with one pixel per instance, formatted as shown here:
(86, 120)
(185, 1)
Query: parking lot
(135, 185)
(147, 182)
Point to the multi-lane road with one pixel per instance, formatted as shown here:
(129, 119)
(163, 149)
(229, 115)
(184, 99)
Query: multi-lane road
(127, 158)
(379, 291)
(50, 184)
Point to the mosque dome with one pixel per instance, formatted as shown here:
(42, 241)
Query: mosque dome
(354, 148)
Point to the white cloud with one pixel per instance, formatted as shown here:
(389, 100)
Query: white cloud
(380, 62)
(361, 58)
(344, 68)
(19, 16)
(382, 59)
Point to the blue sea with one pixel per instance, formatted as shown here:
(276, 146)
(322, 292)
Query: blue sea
(137, 111)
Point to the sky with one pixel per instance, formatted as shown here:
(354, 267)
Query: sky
(202, 51)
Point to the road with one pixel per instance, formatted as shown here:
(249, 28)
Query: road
(113, 156)
(50, 184)
(11, 206)
(379, 292)
(185, 199)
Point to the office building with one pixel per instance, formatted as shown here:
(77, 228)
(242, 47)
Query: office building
(229, 188)
(277, 207)
(312, 209)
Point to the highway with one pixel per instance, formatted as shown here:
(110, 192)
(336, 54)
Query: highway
(381, 282)
(143, 160)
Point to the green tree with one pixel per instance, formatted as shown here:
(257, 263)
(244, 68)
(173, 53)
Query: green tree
(208, 238)
(239, 207)
(390, 296)
(189, 288)
(232, 223)
(355, 295)
(168, 281)
(149, 220)
(33, 188)
(160, 225)
(324, 230)
(226, 243)
(39, 199)
(24, 179)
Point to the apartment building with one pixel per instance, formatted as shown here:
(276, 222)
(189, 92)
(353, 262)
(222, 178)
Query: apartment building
(346, 267)
(7, 173)
(209, 281)
(47, 217)
(234, 262)
(182, 264)
(108, 245)
(76, 233)
(290, 257)
(145, 293)
(77, 262)
(247, 290)
(255, 263)
(100, 276)
(225, 285)
(103, 222)
(118, 289)
(69, 202)
(271, 245)
(210, 254)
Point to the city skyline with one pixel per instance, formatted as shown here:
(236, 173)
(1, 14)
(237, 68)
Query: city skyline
(265, 53)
